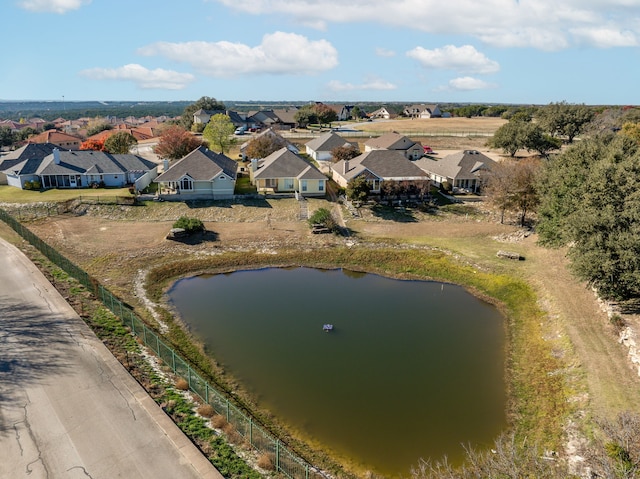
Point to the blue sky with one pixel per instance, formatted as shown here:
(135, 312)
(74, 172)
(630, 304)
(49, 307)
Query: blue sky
(489, 51)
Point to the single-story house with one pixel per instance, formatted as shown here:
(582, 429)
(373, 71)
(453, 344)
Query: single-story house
(30, 151)
(383, 113)
(80, 169)
(465, 170)
(285, 172)
(377, 166)
(423, 111)
(395, 141)
(200, 174)
(63, 140)
(320, 148)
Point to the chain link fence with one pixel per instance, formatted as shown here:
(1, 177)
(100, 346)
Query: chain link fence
(286, 462)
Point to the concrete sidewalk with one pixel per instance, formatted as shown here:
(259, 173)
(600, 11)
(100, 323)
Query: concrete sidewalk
(67, 407)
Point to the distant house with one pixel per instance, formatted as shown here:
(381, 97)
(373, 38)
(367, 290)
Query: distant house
(80, 169)
(465, 170)
(343, 112)
(377, 167)
(382, 113)
(320, 148)
(285, 172)
(395, 141)
(200, 174)
(281, 119)
(422, 111)
(62, 140)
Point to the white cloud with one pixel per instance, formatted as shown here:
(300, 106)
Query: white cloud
(542, 24)
(606, 37)
(372, 84)
(383, 52)
(462, 59)
(52, 6)
(143, 77)
(468, 83)
(279, 53)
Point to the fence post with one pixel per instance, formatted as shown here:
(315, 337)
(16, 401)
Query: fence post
(277, 455)
(173, 360)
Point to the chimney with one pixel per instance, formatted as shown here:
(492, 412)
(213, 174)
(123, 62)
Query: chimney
(254, 164)
(165, 165)
(56, 156)
(345, 167)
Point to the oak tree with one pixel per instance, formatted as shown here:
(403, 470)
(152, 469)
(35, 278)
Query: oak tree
(175, 143)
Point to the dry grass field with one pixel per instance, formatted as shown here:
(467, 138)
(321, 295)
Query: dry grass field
(433, 125)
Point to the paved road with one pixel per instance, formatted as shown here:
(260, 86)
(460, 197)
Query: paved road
(68, 409)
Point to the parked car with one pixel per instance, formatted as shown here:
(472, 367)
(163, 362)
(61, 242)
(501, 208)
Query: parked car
(240, 130)
(427, 150)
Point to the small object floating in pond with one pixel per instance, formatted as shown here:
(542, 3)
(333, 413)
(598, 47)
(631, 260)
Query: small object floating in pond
(327, 327)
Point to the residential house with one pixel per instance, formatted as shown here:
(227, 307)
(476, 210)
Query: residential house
(81, 169)
(203, 116)
(285, 172)
(382, 113)
(199, 175)
(394, 141)
(377, 166)
(466, 170)
(30, 151)
(343, 112)
(422, 111)
(320, 148)
(63, 140)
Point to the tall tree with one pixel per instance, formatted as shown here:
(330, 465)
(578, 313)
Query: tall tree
(263, 145)
(325, 114)
(219, 132)
(631, 130)
(510, 137)
(340, 153)
(120, 143)
(512, 186)
(564, 120)
(205, 103)
(306, 116)
(6, 136)
(591, 201)
(175, 142)
(535, 139)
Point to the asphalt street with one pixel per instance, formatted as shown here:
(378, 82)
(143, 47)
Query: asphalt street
(68, 409)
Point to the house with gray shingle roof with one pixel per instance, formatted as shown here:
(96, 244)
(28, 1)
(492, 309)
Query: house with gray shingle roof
(464, 170)
(395, 141)
(80, 169)
(377, 166)
(285, 172)
(30, 151)
(320, 148)
(199, 175)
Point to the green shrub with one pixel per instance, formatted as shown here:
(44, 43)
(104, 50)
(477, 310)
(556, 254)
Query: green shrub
(190, 225)
(322, 216)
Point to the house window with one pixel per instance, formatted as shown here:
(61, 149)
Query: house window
(186, 184)
(271, 183)
(288, 183)
(303, 185)
(320, 185)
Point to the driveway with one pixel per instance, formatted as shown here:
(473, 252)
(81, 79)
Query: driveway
(67, 407)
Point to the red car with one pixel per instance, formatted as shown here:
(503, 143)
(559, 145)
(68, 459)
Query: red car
(427, 149)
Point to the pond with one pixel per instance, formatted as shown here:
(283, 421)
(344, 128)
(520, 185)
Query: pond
(411, 369)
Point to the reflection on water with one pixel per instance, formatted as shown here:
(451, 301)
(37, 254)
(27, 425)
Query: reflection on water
(412, 368)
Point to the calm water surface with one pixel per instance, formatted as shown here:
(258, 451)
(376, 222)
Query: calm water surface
(412, 369)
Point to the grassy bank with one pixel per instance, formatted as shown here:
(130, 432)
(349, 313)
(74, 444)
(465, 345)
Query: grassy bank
(538, 393)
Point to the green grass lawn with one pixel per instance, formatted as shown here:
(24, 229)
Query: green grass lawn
(244, 186)
(11, 194)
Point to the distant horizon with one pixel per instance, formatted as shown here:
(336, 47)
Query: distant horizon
(408, 102)
(459, 51)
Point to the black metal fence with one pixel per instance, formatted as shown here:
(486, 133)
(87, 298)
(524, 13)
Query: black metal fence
(286, 461)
